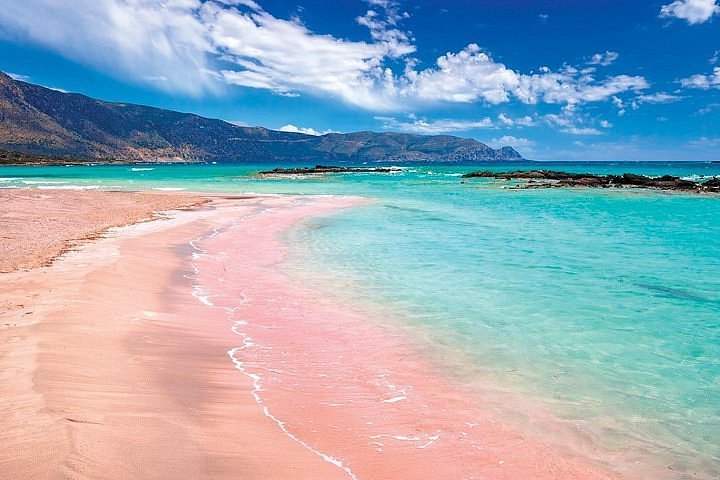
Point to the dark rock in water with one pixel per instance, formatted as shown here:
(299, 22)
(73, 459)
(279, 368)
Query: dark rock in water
(319, 169)
(712, 183)
(555, 179)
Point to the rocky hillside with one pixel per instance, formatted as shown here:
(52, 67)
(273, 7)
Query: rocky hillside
(41, 121)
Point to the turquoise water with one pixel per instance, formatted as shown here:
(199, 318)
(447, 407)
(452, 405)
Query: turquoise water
(603, 305)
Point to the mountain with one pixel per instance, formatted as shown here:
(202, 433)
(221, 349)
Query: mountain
(41, 121)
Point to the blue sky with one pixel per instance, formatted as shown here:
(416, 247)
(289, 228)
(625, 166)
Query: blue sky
(562, 79)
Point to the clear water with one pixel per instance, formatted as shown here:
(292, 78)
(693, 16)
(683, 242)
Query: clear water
(602, 305)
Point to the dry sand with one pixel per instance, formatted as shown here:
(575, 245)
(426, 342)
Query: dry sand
(38, 225)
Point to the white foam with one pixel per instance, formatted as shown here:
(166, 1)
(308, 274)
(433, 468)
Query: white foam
(396, 437)
(68, 187)
(204, 297)
(257, 388)
(395, 399)
(141, 169)
(431, 440)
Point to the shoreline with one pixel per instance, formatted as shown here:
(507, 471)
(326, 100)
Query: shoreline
(108, 374)
(39, 226)
(347, 398)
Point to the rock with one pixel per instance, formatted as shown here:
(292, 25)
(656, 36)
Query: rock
(558, 179)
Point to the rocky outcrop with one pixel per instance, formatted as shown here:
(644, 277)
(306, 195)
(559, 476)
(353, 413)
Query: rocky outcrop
(555, 179)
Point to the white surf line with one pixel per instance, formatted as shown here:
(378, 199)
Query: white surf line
(395, 399)
(431, 440)
(257, 388)
(247, 342)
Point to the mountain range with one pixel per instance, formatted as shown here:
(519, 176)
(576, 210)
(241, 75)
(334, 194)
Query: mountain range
(35, 120)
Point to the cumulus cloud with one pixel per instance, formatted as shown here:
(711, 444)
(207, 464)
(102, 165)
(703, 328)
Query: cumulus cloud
(306, 130)
(692, 11)
(604, 59)
(195, 47)
(570, 121)
(525, 121)
(581, 131)
(703, 82)
(384, 27)
(515, 142)
(471, 75)
(434, 127)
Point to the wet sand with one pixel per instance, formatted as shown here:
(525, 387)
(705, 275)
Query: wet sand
(180, 349)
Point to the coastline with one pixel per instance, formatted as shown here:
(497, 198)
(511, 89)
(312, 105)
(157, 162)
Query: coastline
(117, 367)
(40, 225)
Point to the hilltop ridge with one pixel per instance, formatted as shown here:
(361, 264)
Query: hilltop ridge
(41, 121)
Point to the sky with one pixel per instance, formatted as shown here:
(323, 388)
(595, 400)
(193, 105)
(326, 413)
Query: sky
(556, 79)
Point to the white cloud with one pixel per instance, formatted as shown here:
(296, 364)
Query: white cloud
(306, 130)
(659, 97)
(581, 131)
(604, 59)
(436, 126)
(193, 47)
(471, 75)
(467, 76)
(693, 11)
(515, 142)
(709, 108)
(383, 27)
(525, 121)
(571, 86)
(705, 142)
(18, 76)
(715, 57)
(571, 122)
(131, 39)
(619, 104)
(703, 82)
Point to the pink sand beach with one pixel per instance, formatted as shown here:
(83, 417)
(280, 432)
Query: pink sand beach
(180, 348)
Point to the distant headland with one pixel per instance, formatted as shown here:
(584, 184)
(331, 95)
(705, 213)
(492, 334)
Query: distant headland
(46, 126)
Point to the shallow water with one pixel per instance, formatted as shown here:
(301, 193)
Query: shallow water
(601, 306)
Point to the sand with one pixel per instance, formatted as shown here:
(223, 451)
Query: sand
(38, 225)
(115, 363)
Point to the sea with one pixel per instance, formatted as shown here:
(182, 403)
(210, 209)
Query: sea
(601, 306)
